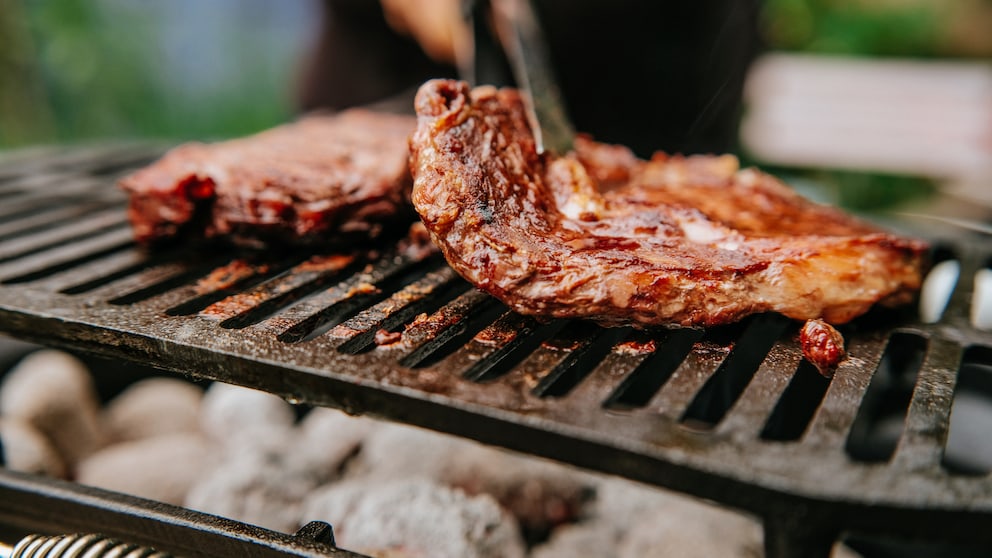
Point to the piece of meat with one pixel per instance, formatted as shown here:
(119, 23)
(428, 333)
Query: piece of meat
(600, 234)
(822, 345)
(301, 183)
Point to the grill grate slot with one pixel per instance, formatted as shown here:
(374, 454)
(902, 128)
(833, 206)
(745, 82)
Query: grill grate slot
(751, 411)
(724, 387)
(423, 296)
(797, 405)
(970, 415)
(87, 227)
(580, 361)
(882, 414)
(317, 314)
(699, 365)
(595, 390)
(46, 218)
(652, 373)
(49, 262)
(449, 328)
(500, 346)
(28, 183)
(928, 418)
(72, 190)
(104, 271)
(833, 420)
(521, 364)
(235, 282)
(154, 281)
(253, 305)
(26, 207)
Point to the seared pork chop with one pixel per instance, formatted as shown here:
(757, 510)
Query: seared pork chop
(302, 183)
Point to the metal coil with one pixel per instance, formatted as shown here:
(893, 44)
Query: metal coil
(81, 546)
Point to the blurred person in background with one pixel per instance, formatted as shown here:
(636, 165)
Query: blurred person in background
(645, 73)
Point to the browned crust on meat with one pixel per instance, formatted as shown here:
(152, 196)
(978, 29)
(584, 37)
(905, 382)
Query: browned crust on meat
(303, 182)
(599, 234)
(822, 346)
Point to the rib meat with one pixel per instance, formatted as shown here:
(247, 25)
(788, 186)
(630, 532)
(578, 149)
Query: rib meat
(302, 183)
(600, 234)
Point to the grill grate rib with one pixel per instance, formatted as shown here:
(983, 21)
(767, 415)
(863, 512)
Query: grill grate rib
(731, 414)
(929, 415)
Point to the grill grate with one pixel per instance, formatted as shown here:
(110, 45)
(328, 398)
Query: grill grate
(731, 414)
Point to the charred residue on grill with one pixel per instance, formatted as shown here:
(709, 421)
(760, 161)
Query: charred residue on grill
(226, 276)
(251, 305)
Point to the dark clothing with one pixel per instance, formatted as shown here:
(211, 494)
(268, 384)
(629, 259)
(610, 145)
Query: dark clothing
(650, 74)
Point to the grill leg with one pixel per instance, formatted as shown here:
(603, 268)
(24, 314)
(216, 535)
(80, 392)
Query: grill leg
(784, 539)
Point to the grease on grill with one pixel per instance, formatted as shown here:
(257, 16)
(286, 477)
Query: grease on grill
(636, 347)
(306, 272)
(226, 276)
(385, 337)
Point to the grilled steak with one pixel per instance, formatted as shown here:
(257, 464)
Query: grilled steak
(600, 234)
(304, 182)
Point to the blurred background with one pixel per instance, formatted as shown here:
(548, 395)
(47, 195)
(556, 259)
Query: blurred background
(875, 100)
(113, 69)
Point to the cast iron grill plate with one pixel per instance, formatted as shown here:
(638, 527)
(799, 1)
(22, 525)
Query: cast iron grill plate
(731, 414)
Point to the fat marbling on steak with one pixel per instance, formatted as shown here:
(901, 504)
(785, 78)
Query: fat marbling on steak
(302, 183)
(600, 234)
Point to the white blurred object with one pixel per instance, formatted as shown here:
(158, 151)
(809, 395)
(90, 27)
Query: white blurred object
(161, 468)
(53, 391)
(936, 290)
(235, 416)
(254, 485)
(415, 518)
(27, 450)
(929, 118)
(981, 300)
(153, 407)
(266, 484)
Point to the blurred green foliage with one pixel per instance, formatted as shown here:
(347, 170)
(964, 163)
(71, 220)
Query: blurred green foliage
(108, 69)
(855, 27)
(871, 191)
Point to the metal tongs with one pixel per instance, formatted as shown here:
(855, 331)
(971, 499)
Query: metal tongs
(520, 38)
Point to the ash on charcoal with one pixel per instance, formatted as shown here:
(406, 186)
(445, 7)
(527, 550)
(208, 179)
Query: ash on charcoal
(390, 490)
(539, 494)
(629, 520)
(53, 391)
(415, 518)
(692, 530)
(327, 439)
(592, 539)
(265, 483)
(153, 407)
(161, 468)
(255, 485)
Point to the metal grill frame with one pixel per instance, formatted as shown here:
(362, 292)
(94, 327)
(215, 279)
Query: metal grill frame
(28, 506)
(808, 492)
